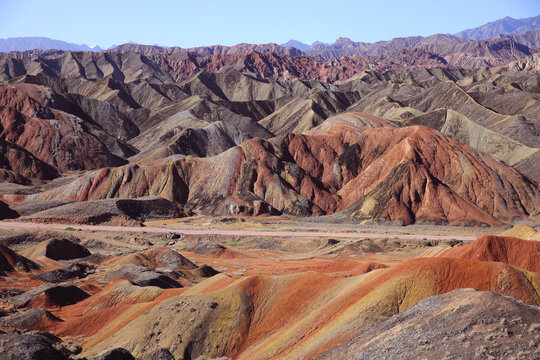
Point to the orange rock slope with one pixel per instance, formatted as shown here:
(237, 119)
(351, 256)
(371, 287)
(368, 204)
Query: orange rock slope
(524, 254)
(259, 317)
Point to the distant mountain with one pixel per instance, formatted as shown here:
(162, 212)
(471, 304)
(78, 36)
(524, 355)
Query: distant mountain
(41, 43)
(346, 47)
(506, 25)
(297, 44)
(176, 63)
(319, 43)
(208, 50)
(521, 31)
(530, 39)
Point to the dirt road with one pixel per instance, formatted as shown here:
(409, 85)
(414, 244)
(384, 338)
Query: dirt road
(9, 224)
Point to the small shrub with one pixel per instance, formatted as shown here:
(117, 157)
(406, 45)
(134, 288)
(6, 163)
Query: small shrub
(69, 228)
(426, 242)
(455, 242)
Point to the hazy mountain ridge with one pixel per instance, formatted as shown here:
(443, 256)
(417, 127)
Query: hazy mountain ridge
(41, 43)
(203, 51)
(298, 44)
(341, 47)
(506, 25)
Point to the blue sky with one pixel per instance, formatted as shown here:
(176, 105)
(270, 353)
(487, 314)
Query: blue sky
(197, 23)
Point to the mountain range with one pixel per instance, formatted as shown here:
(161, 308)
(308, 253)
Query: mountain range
(140, 126)
(505, 26)
(258, 201)
(41, 43)
(279, 63)
(320, 132)
(487, 31)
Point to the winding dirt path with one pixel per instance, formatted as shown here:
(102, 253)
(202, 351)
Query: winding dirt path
(10, 224)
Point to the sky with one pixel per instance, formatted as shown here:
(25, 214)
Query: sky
(198, 23)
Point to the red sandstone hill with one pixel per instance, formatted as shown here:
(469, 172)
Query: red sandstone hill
(524, 254)
(401, 175)
(86, 107)
(19, 165)
(34, 132)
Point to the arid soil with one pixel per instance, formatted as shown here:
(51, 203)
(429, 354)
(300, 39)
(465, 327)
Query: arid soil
(353, 201)
(259, 297)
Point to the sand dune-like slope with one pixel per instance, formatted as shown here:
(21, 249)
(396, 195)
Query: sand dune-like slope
(462, 129)
(295, 316)
(11, 261)
(330, 307)
(522, 231)
(119, 211)
(350, 121)
(305, 112)
(195, 126)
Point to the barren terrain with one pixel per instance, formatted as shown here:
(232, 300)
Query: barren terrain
(188, 283)
(257, 201)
